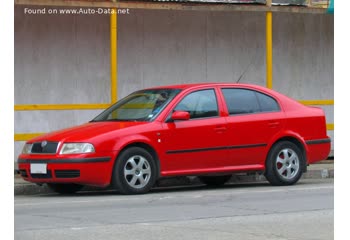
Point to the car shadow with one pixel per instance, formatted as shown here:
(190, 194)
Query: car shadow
(87, 191)
(109, 191)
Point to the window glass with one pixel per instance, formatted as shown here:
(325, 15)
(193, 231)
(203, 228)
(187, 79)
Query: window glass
(267, 103)
(199, 104)
(241, 101)
(143, 105)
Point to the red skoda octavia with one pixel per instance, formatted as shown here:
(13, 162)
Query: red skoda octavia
(205, 130)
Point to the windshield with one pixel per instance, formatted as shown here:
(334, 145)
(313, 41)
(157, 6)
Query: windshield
(143, 105)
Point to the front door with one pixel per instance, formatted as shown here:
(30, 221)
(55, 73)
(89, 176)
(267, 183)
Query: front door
(199, 144)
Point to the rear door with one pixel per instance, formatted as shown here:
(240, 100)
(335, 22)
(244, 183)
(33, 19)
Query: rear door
(199, 144)
(254, 119)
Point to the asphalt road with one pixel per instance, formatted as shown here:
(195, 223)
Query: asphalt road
(244, 212)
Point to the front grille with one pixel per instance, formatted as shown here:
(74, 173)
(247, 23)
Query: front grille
(67, 173)
(42, 176)
(50, 147)
(23, 173)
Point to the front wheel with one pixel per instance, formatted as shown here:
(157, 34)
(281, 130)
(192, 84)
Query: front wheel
(134, 171)
(284, 164)
(65, 188)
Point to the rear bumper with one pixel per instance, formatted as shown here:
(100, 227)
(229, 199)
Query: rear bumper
(318, 149)
(94, 171)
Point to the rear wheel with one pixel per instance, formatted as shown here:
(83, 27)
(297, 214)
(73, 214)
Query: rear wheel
(135, 171)
(214, 180)
(65, 188)
(284, 164)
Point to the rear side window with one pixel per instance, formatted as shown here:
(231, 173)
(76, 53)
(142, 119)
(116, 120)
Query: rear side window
(245, 101)
(200, 104)
(241, 101)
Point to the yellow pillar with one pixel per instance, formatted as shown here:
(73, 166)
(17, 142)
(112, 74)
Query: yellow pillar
(114, 55)
(269, 50)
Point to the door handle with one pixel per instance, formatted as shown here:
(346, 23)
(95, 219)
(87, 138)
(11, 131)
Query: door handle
(220, 129)
(273, 124)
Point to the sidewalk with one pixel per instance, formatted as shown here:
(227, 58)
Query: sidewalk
(324, 169)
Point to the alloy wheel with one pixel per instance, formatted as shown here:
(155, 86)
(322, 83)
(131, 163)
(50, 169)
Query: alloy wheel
(137, 171)
(287, 163)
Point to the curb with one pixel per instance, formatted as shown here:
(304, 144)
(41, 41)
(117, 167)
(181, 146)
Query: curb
(25, 188)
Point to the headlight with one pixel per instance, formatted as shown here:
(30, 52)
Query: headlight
(27, 149)
(73, 148)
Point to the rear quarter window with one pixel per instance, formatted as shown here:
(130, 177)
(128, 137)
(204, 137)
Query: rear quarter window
(267, 103)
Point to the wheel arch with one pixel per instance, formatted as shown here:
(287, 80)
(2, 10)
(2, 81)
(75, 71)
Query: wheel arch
(297, 142)
(145, 146)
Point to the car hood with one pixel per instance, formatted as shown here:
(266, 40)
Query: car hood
(86, 132)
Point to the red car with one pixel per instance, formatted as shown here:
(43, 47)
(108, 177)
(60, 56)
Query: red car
(205, 130)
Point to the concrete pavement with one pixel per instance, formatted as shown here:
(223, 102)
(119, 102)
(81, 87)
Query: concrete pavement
(250, 211)
(322, 170)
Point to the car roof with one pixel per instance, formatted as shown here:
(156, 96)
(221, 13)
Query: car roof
(214, 84)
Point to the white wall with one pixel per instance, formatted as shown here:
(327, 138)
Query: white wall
(161, 47)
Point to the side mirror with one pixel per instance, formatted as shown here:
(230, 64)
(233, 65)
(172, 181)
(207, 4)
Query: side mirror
(180, 115)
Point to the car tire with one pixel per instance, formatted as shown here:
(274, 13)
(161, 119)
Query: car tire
(214, 180)
(135, 171)
(284, 164)
(65, 188)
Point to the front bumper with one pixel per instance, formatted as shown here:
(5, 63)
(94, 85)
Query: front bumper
(94, 171)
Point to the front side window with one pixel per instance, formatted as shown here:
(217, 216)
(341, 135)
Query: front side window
(199, 104)
(245, 101)
(143, 105)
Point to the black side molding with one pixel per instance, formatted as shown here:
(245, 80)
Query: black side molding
(318, 141)
(216, 148)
